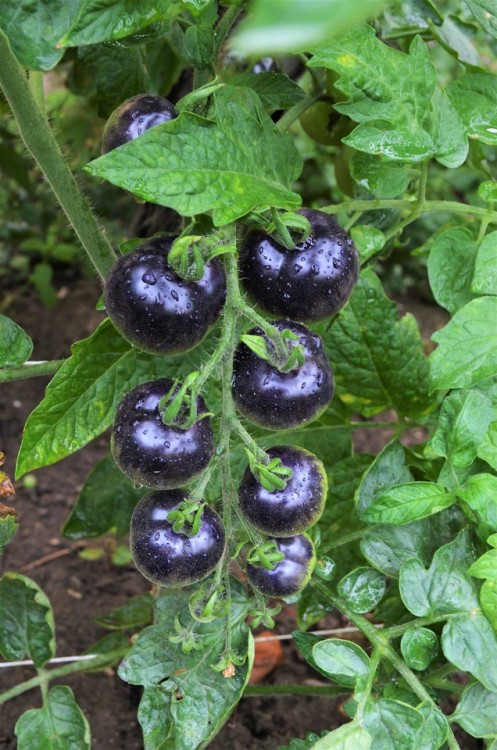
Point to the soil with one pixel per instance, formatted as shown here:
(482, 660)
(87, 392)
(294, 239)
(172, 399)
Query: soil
(81, 590)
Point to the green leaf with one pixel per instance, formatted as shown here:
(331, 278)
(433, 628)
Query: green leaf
(59, 724)
(137, 611)
(433, 733)
(296, 25)
(451, 267)
(339, 514)
(362, 588)
(462, 424)
(342, 661)
(327, 440)
(388, 469)
(387, 547)
(378, 360)
(480, 493)
(470, 643)
(484, 12)
(194, 165)
(419, 646)
(199, 46)
(15, 344)
(105, 20)
(476, 711)
(450, 143)
(485, 566)
(35, 28)
(8, 527)
(347, 737)
(117, 72)
(488, 601)
(305, 643)
(185, 699)
(368, 240)
(446, 587)
(26, 625)
(81, 399)
(452, 35)
(105, 504)
(474, 96)
(275, 90)
(467, 346)
(393, 725)
(405, 503)
(383, 179)
(487, 190)
(485, 276)
(487, 450)
(394, 98)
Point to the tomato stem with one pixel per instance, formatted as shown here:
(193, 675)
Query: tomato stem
(41, 143)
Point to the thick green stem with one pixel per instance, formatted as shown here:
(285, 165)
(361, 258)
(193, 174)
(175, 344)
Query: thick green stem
(46, 675)
(225, 24)
(396, 631)
(428, 207)
(40, 141)
(255, 691)
(30, 371)
(353, 536)
(35, 81)
(297, 110)
(379, 639)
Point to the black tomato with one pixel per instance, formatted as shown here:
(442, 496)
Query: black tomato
(154, 308)
(283, 400)
(289, 576)
(151, 453)
(133, 117)
(168, 558)
(310, 282)
(293, 509)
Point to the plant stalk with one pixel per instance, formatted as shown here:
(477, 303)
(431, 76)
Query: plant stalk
(256, 691)
(379, 639)
(40, 142)
(45, 675)
(30, 371)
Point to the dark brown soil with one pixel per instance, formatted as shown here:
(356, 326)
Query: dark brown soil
(80, 590)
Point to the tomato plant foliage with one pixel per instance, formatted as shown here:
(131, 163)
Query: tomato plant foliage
(408, 536)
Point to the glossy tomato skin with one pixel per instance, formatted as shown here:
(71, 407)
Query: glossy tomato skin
(154, 308)
(310, 282)
(151, 453)
(295, 508)
(283, 400)
(165, 557)
(133, 117)
(291, 574)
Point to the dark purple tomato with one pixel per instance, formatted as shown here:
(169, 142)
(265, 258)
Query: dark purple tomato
(168, 558)
(133, 117)
(293, 509)
(151, 453)
(283, 400)
(310, 282)
(154, 308)
(289, 576)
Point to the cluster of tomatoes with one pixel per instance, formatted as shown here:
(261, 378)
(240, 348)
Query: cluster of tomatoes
(160, 312)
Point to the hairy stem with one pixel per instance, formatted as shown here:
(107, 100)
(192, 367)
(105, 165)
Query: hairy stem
(30, 371)
(379, 639)
(255, 691)
(298, 109)
(428, 207)
(45, 675)
(40, 142)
